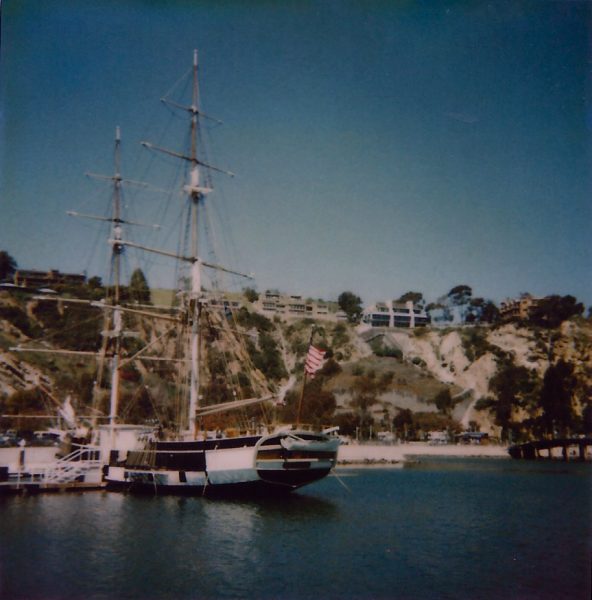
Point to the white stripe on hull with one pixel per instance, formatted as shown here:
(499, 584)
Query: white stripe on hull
(232, 465)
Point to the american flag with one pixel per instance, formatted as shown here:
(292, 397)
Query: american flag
(314, 360)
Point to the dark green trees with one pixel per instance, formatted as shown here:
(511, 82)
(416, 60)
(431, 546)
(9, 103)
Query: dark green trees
(7, 265)
(556, 400)
(444, 402)
(351, 305)
(251, 294)
(415, 297)
(460, 295)
(512, 388)
(553, 310)
(138, 288)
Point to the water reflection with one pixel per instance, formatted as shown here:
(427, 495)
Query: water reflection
(400, 533)
(295, 505)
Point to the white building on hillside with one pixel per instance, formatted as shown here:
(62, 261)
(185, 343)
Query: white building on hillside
(395, 314)
(273, 303)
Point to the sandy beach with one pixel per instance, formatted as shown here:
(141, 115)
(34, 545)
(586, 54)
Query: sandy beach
(363, 454)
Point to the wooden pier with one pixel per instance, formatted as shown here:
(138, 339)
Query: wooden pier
(567, 449)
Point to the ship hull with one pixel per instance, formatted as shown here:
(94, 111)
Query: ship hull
(277, 463)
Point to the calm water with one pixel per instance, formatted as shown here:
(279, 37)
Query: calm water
(440, 529)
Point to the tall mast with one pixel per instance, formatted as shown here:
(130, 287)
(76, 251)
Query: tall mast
(117, 249)
(195, 196)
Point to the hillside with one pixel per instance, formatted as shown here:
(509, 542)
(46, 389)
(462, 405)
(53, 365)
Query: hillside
(494, 379)
(473, 358)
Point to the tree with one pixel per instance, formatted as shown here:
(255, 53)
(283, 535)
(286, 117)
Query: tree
(482, 311)
(415, 297)
(138, 288)
(318, 405)
(551, 311)
(460, 295)
(7, 265)
(351, 305)
(489, 312)
(366, 389)
(556, 398)
(403, 423)
(587, 419)
(347, 423)
(444, 401)
(513, 388)
(330, 368)
(251, 294)
(267, 358)
(31, 401)
(95, 282)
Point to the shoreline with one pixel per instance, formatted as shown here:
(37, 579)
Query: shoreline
(356, 455)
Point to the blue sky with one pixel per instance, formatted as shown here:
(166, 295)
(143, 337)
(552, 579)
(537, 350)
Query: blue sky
(379, 147)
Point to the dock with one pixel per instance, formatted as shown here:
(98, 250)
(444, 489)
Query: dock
(566, 449)
(28, 486)
(34, 470)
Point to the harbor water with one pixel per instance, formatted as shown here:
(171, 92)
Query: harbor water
(447, 528)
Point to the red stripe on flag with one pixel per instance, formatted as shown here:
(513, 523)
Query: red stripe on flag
(314, 360)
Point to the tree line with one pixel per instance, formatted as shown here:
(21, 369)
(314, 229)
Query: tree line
(548, 312)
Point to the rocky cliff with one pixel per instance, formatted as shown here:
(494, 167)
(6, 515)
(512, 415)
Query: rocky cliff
(470, 357)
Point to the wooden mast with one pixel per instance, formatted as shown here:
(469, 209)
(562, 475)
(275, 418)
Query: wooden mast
(194, 303)
(196, 192)
(117, 250)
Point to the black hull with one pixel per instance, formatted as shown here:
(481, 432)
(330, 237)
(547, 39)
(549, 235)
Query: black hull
(252, 465)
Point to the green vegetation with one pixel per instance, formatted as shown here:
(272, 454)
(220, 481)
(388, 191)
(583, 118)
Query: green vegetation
(380, 349)
(556, 399)
(351, 305)
(444, 402)
(19, 319)
(267, 358)
(413, 426)
(318, 405)
(138, 290)
(475, 344)
(482, 311)
(553, 310)
(460, 295)
(251, 294)
(253, 320)
(415, 297)
(32, 401)
(513, 388)
(7, 265)
(70, 326)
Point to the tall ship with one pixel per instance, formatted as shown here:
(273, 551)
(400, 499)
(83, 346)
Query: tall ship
(220, 442)
(195, 459)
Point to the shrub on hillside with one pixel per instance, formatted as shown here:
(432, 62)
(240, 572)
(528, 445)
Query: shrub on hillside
(251, 320)
(19, 319)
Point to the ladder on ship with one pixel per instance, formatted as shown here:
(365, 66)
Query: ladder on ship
(73, 467)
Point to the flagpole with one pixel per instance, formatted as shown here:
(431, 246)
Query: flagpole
(303, 382)
(300, 401)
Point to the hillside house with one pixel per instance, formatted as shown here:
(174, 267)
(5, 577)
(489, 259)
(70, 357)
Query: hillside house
(395, 314)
